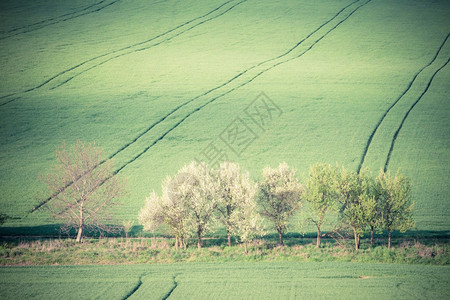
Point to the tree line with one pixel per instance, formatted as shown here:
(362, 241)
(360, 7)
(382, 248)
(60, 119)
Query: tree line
(192, 202)
(198, 197)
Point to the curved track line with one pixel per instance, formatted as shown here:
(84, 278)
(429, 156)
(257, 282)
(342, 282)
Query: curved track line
(9, 95)
(221, 95)
(10, 100)
(59, 19)
(150, 46)
(135, 288)
(369, 141)
(235, 88)
(175, 285)
(47, 81)
(51, 19)
(407, 114)
(42, 203)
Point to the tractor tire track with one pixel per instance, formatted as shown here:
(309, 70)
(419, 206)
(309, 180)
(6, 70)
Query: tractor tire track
(10, 100)
(168, 39)
(394, 139)
(42, 203)
(149, 46)
(126, 48)
(135, 288)
(224, 85)
(410, 84)
(56, 20)
(242, 84)
(50, 19)
(175, 285)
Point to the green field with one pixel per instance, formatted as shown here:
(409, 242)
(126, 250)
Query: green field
(157, 84)
(227, 281)
(359, 83)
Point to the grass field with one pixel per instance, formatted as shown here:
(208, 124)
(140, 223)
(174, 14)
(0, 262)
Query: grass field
(227, 281)
(359, 83)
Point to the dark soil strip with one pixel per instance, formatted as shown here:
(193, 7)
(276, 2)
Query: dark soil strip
(369, 141)
(407, 113)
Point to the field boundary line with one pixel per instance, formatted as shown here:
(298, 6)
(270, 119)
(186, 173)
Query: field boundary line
(410, 84)
(57, 20)
(394, 139)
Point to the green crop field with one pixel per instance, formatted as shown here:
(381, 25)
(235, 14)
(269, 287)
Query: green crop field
(230, 281)
(157, 84)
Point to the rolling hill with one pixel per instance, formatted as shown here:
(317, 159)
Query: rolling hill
(159, 83)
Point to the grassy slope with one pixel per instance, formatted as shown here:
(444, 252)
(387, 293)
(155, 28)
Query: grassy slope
(423, 147)
(210, 281)
(332, 97)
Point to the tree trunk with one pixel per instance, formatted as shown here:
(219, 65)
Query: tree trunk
(389, 239)
(245, 247)
(228, 221)
(280, 238)
(80, 234)
(356, 235)
(371, 235)
(176, 243)
(318, 237)
(80, 227)
(199, 239)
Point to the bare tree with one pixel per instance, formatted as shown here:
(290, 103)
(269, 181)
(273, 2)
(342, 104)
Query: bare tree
(83, 187)
(279, 196)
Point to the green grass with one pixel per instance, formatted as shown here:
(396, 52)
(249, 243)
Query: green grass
(332, 96)
(228, 281)
(114, 251)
